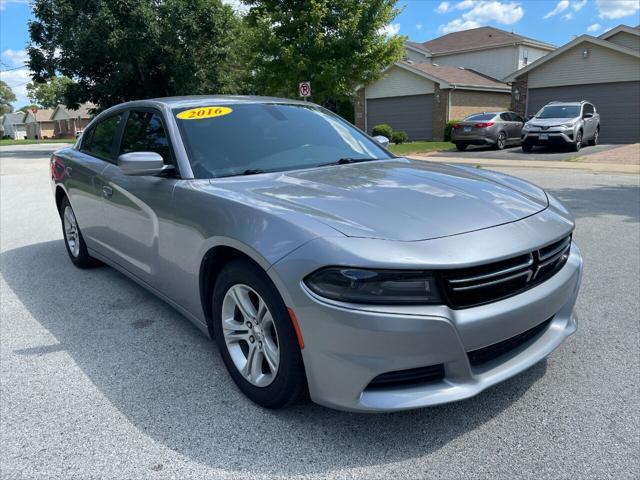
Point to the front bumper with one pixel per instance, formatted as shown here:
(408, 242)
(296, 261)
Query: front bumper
(553, 137)
(347, 346)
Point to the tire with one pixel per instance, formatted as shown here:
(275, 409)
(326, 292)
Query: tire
(577, 145)
(461, 146)
(596, 136)
(501, 142)
(527, 147)
(73, 240)
(244, 281)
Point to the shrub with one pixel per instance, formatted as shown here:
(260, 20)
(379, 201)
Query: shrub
(447, 129)
(382, 129)
(399, 137)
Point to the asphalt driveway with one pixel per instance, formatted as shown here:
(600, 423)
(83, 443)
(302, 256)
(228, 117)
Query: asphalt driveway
(516, 153)
(99, 379)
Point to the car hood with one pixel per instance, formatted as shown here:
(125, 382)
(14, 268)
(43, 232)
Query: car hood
(550, 122)
(396, 199)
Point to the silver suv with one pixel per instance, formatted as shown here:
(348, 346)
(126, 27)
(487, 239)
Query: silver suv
(562, 123)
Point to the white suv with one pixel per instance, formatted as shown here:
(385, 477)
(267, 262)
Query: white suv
(562, 123)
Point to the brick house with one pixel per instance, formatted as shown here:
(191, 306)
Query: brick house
(68, 122)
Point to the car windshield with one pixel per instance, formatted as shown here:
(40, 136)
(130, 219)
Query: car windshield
(258, 137)
(480, 117)
(559, 111)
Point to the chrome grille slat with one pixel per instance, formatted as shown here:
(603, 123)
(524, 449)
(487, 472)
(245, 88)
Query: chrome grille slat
(526, 273)
(494, 274)
(472, 286)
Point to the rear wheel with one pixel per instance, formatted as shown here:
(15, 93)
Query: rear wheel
(461, 146)
(73, 241)
(501, 142)
(256, 338)
(596, 137)
(577, 145)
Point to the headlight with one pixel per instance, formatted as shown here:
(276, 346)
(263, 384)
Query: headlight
(374, 286)
(567, 125)
(526, 126)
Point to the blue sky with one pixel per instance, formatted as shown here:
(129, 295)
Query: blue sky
(552, 21)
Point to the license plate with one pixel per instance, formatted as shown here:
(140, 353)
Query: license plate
(544, 136)
(466, 129)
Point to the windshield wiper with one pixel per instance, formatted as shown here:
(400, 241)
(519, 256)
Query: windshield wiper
(250, 171)
(346, 160)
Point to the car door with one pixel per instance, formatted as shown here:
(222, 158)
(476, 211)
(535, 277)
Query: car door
(590, 123)
(508, 125)
(85, 182)
(518, 123)
(137, 207)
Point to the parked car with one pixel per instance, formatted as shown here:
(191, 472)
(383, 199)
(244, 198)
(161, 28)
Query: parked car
(498, 129)
(562, 124)
(317, 260)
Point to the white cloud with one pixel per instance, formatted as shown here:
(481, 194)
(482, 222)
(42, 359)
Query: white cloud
(418, 26)
(567, 16)
(484, 12)
(617, 8)
(5, 3)
(560, 7)
(594, 27)
(465, 4)
(443, 7)
(391, 29)
(15, 73)
(13, 58)
(237, 5)
(577, 5)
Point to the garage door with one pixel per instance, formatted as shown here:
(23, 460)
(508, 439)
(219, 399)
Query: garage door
(617, 103)
(411, 114)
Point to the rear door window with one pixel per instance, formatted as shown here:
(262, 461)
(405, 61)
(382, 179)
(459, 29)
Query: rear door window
(102, 138)
(145, 132)
(481, 117)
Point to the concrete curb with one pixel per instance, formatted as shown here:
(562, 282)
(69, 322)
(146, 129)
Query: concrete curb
(589, 167)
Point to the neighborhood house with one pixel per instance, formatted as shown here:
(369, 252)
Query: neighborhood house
(488, 69)
(61, 122)
(13, 126)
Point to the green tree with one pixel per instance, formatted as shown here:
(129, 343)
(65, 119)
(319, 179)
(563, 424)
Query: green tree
(6, 98)
(119, 50)
(51, 93)
(338, 45)
(30, 107)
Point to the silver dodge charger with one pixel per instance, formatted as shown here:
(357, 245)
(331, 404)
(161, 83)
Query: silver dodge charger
(320, 263)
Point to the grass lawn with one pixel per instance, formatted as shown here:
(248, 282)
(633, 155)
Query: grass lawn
(420, 147)
(9, 141)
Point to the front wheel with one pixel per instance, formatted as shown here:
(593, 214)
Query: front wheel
(527, 147)
(73, 240)
(577, 145)
(461, 146)
(256, 338)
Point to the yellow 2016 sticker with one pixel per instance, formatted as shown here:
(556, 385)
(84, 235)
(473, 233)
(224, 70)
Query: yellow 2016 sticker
(204, 112)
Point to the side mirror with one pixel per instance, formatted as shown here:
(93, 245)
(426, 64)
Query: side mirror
(588, 115)
(382, 140)
(142, 163)
(528, 117)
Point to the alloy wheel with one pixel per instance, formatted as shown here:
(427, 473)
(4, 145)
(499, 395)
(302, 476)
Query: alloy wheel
(71, 233)
(250, 335)
(502, 140)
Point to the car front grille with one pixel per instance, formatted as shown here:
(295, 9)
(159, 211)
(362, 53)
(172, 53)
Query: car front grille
(486, 354)
(405, 378)
(483, 284)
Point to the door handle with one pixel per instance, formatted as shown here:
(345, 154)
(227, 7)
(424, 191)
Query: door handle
(107, 191)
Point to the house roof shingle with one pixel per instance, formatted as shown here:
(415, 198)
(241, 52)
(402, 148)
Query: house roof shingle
(15, 118)
(83, 111)
(456, 75)
(41, 115)
(476, 38)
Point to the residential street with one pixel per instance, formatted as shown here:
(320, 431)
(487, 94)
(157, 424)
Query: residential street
(100, 379)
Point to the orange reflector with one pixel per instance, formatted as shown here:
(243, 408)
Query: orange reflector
(296, 327)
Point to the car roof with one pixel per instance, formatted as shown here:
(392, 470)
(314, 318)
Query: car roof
(197, 100)
(581, 102)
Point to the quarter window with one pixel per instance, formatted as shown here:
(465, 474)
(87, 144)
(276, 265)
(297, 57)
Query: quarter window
(144, 132)
(102, 137)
